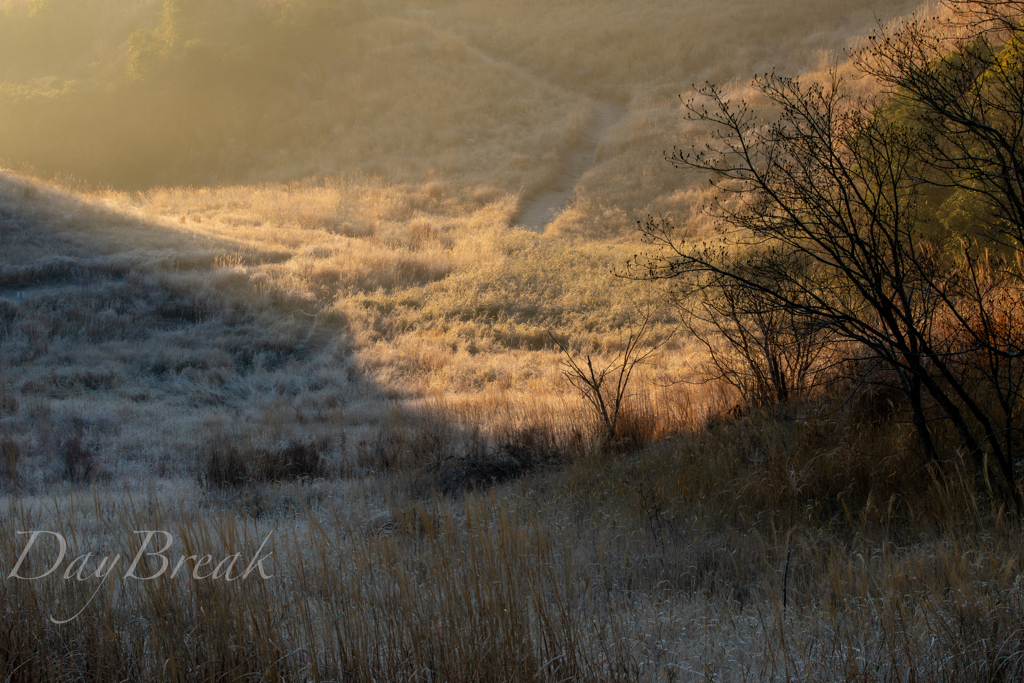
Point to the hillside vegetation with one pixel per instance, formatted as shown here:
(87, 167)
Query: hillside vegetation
(495, 96)
(278, 282)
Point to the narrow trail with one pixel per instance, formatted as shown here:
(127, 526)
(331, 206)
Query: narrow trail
(540, 208)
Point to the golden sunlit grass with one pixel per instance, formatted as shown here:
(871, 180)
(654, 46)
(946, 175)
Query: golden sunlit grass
(335, 331)
(485, 96)
(204, 383)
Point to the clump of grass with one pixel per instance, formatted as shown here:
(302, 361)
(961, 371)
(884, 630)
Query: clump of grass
(225, 465)
(236, 458)
(295, 460)
(456, 475)
(8, 397)
(405, 440)
(639, 424)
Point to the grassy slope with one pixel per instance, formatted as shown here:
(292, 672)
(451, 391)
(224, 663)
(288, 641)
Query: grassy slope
(358, 289)
(458, 116)
(481, 94)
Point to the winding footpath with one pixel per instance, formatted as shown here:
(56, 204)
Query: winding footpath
(539, 209)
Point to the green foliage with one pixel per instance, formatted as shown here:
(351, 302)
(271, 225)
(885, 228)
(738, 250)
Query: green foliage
(975, 67)
(203, 43)
(1007, 63)
(147, 53)
(40, 7)
(962, 213)
(173, 48)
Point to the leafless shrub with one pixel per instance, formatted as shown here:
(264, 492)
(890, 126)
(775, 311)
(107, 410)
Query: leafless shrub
(10, 455)
(77, 456)
(605, 388)
(768, 353)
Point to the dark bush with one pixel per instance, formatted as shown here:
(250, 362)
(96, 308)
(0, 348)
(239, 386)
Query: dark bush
(295, 460)
(10, 454)
(77, 457)
(235, 462)
(523, 451)
(226, 466)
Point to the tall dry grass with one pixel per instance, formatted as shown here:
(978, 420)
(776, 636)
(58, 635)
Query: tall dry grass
(358, 362)
(756, 549)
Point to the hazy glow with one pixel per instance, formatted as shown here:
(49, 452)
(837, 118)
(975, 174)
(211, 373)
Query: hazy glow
(183, 91)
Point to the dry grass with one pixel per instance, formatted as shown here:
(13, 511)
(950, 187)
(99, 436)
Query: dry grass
(671, 565)
(343, 340)
(489, 98)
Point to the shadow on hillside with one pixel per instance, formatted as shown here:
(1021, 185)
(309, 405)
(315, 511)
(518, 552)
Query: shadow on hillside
(149, 349)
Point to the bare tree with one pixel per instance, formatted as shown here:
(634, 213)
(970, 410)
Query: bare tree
(819, 220)
(959, 82)
(604, 387)
(767, 352)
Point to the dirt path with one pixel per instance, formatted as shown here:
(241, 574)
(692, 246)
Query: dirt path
(539, 209)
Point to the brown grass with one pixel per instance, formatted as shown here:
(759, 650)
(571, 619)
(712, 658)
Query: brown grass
(344, 341)
(666, 565)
